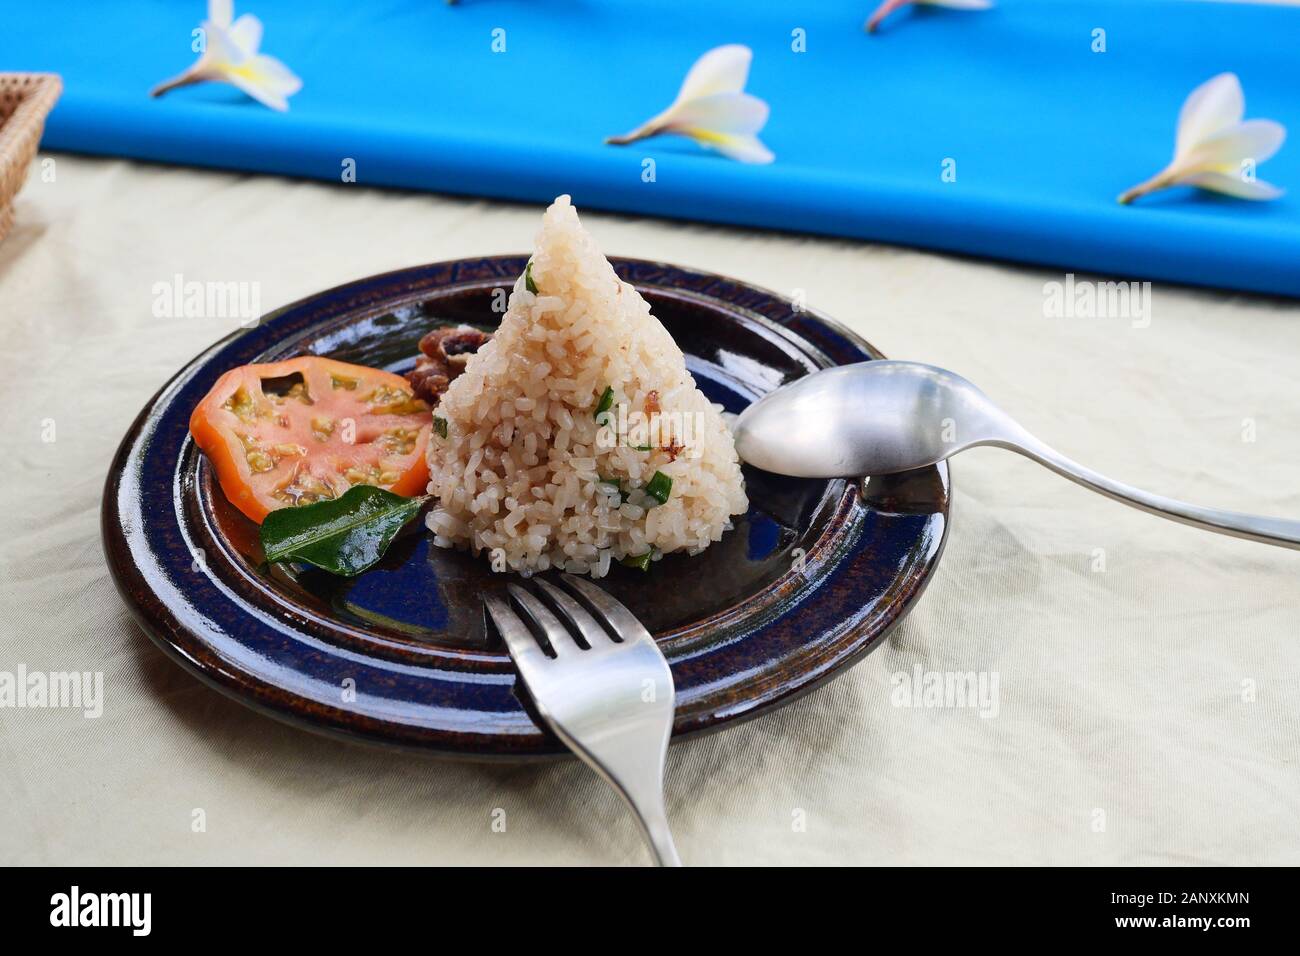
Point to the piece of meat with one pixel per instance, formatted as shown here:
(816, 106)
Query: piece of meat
(456, 345)
(428, 379)
(444, 353)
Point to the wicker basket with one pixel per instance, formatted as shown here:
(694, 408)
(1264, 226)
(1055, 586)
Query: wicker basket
(25, 99)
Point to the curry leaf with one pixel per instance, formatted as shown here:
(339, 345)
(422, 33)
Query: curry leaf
(640, 561)
(345, 535)
(660, 486)
(606, 402)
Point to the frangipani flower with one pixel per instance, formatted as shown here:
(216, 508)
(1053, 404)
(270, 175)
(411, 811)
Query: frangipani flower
(713, 108)
(889, 6)
(230, 56)
(1214, 148)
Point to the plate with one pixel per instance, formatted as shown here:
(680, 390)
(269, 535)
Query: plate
(809, 581)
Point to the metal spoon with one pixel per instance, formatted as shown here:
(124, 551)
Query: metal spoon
(878, 418)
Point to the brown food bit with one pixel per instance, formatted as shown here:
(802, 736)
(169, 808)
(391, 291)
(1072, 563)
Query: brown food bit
(672, 450)
(457, 344)
(429, 379)
(652, 403)
(444, 354)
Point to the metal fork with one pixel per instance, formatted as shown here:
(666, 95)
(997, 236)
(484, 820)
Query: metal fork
(610, 699)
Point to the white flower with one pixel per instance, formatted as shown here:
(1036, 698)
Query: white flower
(230, 56)
(889, 6)
(1214, 148)
(713, 108)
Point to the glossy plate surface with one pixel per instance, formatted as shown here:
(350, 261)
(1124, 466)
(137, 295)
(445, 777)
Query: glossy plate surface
(810, 580)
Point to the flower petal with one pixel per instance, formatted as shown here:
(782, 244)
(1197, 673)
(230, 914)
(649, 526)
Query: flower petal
(1232, 185)
(265, 79)
(246, 34)
(221, 12)
(723, 69)
(264, 96)
(221, 49)
(744, 147)
(1209, 109)
(723, 113)
(281, 78)
(1256, 140)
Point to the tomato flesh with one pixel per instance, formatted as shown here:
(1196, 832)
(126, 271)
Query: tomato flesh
(307, 429)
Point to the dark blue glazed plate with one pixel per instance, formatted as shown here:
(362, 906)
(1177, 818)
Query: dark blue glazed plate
(810, 580)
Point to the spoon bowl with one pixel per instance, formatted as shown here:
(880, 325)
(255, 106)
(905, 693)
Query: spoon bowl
(873, 418)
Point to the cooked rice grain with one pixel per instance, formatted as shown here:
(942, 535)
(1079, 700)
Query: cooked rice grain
(519, 474)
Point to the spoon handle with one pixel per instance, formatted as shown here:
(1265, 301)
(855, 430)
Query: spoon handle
(1282, 532)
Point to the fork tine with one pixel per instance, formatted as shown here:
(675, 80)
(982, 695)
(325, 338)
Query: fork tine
(623, 621)
(577, 616)
(523, 647)
(557, 634)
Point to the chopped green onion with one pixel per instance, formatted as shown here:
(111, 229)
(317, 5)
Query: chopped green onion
(641, 561)
(618, 484)
(659, 486)
(606, 402)
(642, 447)
(440, 425)
(529, 284)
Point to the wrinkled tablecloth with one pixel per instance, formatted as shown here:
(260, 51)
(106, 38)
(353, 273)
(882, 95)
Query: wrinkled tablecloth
(1147, 705)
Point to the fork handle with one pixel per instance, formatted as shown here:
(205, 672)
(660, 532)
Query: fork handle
(654, 827)
(1281, 532)
(641, 786)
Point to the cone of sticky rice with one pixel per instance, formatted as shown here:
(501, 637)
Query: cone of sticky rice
(576, 438)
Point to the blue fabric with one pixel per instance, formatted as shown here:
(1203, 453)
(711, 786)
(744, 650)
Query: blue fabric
(1045, 132)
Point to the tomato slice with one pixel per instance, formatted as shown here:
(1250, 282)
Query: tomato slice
(307, 429)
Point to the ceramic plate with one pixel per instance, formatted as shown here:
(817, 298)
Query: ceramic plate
(810, 580)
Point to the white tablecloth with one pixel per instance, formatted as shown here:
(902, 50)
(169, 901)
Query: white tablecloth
(1148, 675)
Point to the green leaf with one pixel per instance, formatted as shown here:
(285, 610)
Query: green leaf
(529, 284)
(343, 536)
(659, 486)
(640, 561)
(606, 402)
(440, 426)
